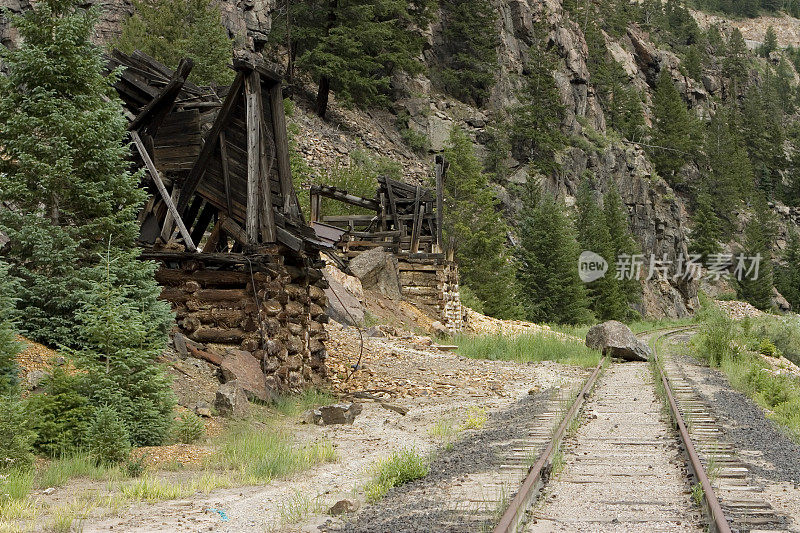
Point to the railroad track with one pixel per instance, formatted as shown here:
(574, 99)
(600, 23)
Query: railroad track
(629, 470)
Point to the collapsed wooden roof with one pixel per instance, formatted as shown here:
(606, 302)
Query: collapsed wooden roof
(216, 160)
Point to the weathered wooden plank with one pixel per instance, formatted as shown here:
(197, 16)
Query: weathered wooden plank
(235, 230)
(291, 205)
(252, 87)
(441, 167)
(151, 168)
(266, 216)
(211, 143)
(416, 223)
(154, 113)
(226, 177)
(169, 220)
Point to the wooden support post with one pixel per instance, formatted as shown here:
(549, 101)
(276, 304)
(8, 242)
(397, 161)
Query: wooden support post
(226, 176)
(393, 209)
(315, 201)
(252, 88)
(416, 223)
(151, 168)
(234, 230)
(440, 170)
(214, 238)
(291, 205)
(266, 215)
(169, 220)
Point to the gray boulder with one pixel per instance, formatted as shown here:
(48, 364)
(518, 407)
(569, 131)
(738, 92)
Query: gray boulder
(343, 307)
(338, 413)
(231, 400)
(616, 339)
(377, 270)
(242, 367)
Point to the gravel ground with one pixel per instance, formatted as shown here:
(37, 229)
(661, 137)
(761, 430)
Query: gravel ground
(746, 426)
(419, 505)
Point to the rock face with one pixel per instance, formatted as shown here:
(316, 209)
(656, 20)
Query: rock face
(377, 270)
(616, 339)
(231, 400)
(343, 307)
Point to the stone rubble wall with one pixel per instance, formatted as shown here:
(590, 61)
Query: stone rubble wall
(433, 283)
(280, 323)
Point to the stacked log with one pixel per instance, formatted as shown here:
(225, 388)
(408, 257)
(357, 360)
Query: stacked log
(433, 282)
(275, 313)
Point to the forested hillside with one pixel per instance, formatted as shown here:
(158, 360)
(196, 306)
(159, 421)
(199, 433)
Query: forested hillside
(686, 130)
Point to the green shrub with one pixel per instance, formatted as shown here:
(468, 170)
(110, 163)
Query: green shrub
(135, 467)
(189, 428)
(108, 439)
(60, 415)
(9, 347)
(16, 439)
(766, 347)
(715, 337)
(399, 468)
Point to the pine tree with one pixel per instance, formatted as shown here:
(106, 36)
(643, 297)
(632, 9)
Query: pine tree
(730, 175)
(673, 137)
(472, 219)
(770, 43)
(757, 241)
(9, 347)
(735, 63)
(606, 296)
(787, 278)
(535, 134)
(170, 30)
(353, 48)
(108, 439)
(762, 133)
(470, 39)
(615, 216)
(549, 286)
(118, 355)
(706, 232)
(63, 168)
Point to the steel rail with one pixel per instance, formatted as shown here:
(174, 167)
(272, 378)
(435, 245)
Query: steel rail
(515, 513)
(717, 523)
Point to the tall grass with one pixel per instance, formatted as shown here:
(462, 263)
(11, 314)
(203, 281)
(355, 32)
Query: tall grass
(527, 348)
(732, 346)
(59, 471)
(265, 454)
(292, 405)
(397, 469)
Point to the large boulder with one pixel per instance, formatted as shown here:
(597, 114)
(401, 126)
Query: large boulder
(241, 366)
(377, 270)
(231, 400)
(617, 340)
(343, 307)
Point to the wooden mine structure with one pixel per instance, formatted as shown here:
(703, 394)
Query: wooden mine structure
(407, 221)
(238, 262)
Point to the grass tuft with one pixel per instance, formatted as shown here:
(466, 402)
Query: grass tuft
(59, 471)
(399, 468)
(299, 506)
(266, 454)
(476, 418)
(292, 405)
(526, 348)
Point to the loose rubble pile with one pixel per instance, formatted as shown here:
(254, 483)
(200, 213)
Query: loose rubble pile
(738, 310)
(486, 325)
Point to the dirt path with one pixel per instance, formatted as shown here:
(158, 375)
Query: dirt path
(622, 469)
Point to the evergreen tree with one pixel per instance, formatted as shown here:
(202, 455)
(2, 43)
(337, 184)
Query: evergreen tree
(108, 438)
(615, 216)
(673, 137)
(607, 299)
(15, 437)
(170, 30)
(470, 38)
(735, 64)
(472, 219)
(757, 241)
(706, 232)
(763, 136)
(549, 286)
(770, 43)
(787, 278)
(119, 358)
(63, 167)
(535, 134)
(60, 415)
(9, 347)
(730, 174)
(354, 47)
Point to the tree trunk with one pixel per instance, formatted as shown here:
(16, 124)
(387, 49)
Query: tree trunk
(322, 96)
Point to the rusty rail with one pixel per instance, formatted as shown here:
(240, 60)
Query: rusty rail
(534, 481)
(717, 521)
